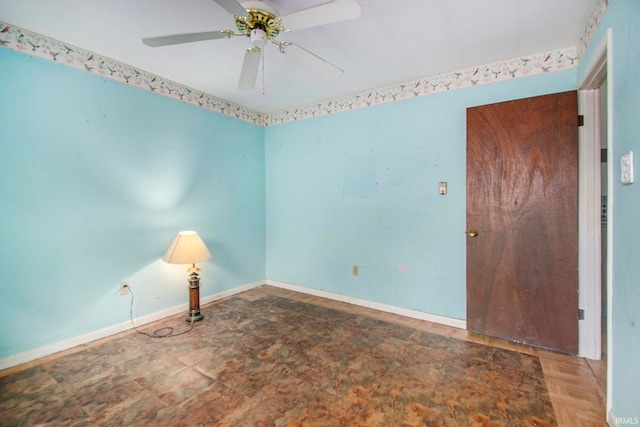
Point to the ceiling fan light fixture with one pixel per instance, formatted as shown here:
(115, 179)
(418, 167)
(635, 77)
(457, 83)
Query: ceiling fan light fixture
(258, 37)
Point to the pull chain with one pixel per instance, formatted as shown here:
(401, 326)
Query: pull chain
(263, 55)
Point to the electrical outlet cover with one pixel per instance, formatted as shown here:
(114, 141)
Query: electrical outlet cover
(626, 163)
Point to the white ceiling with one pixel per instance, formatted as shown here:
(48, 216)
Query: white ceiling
(393, 42)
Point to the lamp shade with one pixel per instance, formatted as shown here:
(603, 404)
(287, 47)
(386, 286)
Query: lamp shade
(187, 248)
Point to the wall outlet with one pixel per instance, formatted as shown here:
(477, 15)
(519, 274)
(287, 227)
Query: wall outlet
(356, 270)
(124, 288)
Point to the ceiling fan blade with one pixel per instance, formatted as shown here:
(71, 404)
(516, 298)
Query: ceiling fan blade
(322, 14)
(311, 60)
(187, 38)
(232, 6)
(250, 66)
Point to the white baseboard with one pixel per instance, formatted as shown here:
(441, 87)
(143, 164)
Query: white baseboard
(37, 353)
(414, 314)
(611, 419)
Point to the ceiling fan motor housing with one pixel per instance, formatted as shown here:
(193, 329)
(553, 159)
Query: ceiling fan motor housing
(262, 19)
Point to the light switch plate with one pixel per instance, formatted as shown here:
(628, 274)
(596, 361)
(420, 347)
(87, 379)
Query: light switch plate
(626, 162)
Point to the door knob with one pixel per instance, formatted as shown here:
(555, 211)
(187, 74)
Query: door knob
(473, 232)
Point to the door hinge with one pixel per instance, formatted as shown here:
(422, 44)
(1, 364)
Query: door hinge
(580, 120)
(580, 314)
(603, 155)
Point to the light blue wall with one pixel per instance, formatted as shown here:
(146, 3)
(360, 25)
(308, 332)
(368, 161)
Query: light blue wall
(623, 17)
(96, 179)
(361, 188)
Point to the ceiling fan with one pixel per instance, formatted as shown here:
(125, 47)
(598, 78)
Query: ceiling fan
(261, 22)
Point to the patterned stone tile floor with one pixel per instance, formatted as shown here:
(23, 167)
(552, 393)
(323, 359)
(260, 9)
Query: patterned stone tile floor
(275, 357)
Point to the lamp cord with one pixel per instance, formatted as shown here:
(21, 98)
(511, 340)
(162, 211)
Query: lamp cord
(165, 332)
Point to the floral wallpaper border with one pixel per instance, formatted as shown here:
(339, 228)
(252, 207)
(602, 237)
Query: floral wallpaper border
(47, 48)
(592, 25)
(498, 71)
(25, 41)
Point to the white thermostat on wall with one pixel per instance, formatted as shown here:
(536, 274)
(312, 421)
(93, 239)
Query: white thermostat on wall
(626, 162)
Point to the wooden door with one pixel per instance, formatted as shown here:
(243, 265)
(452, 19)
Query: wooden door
(522, 200)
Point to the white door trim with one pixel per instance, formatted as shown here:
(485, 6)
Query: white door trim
(589, 226)
(596, 73)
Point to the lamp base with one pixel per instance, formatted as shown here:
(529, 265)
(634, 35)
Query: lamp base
(194, 296)
(194, 316)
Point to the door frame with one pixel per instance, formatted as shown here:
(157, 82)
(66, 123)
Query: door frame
(589, 260)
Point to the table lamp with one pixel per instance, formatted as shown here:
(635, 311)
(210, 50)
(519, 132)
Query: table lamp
(188, 248)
